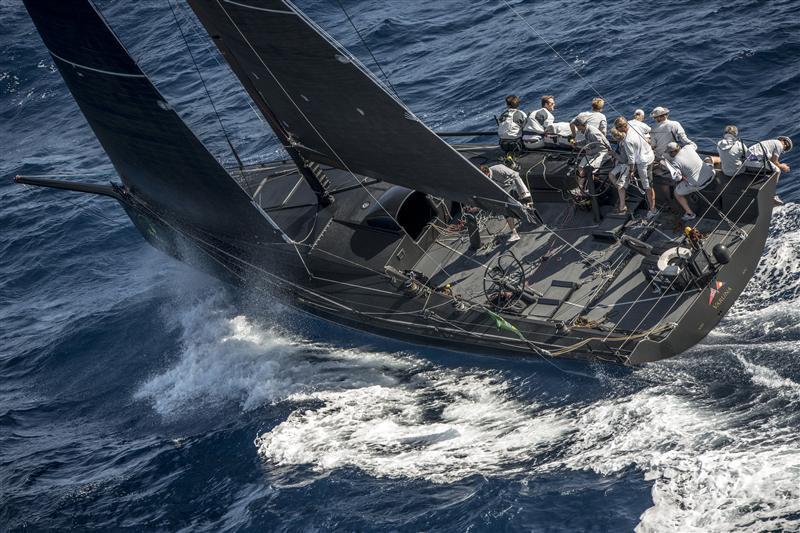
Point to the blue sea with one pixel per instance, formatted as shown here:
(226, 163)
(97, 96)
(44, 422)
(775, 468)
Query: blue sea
(138, 394)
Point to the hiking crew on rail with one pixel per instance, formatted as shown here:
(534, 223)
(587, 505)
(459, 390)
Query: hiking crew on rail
(663, 149)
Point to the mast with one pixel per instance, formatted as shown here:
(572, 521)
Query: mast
(310, 170)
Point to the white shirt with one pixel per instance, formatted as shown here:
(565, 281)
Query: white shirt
(511, 122)
(538, 121)
(691, 167)
(731, 154)
(641, 127)
(663, 133)
(596, 119)
(636, 149)
(773, 147)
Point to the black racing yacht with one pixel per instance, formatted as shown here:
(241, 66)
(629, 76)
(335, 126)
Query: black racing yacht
(375, 222)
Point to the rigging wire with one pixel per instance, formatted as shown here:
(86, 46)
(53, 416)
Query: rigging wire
(205, 88)
(587, 82)
(202, 37)
(364, 42)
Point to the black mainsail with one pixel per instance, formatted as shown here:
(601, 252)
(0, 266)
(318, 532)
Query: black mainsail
(329, 105)
(157, 156)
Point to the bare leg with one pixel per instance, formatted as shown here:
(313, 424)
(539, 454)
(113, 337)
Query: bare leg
(651, 198)
(512, 223)
(621, 194)
(684, 204)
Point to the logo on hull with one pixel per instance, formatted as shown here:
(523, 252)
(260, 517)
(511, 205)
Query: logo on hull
(718, 294)
(715, 288)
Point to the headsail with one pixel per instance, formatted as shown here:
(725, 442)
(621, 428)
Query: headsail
(158, 158)
(332, 108)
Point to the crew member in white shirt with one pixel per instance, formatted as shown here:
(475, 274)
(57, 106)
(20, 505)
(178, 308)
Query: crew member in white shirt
(640, 160)
(637, 123)
(731, 150)
(665, 131)
(510, 124)
(768, 151)
(621, 171)
(595, 146)
(693, 172)
(537, 123)
(510, 180)
(595, 118)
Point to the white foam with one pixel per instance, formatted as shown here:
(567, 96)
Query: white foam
(442, 427)
(767, 377)
(229, 358)
(711, 470)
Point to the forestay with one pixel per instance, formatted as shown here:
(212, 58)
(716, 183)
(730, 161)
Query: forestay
(329, 105)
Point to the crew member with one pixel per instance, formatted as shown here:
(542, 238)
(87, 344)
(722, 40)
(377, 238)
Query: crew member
(771, 150)
(620, 173)
(637, 123)
(510, 124)
(510, 180)
(595, 118)
(594, 146)
(694, 174)
(732, 151)
(640, 160)
(537, 123)
(665, 131)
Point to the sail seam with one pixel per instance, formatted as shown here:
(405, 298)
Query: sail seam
(261, 8)
(101, 71)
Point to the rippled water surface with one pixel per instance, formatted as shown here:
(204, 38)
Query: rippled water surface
(136, 393)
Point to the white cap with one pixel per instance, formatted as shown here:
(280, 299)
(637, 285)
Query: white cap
(638, 112)
(787, 140)
(657, 112)
(673, 146)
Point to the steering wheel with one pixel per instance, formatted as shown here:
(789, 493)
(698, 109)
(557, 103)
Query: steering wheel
(504, 281)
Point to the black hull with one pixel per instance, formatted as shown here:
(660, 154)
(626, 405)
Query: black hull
(282, 275)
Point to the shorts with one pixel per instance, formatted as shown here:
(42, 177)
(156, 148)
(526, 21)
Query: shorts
(645, 173)
(759, 165)
(516, 187)
(619, 175)
(532, 141)
(685, 188)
